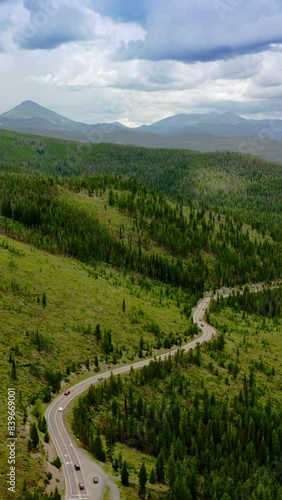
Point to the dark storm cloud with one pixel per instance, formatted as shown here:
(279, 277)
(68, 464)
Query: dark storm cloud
(50, 25)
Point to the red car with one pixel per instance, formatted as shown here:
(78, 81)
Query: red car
(81, 486)
(66, 393)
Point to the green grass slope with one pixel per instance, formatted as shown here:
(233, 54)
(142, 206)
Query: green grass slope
(77, 299)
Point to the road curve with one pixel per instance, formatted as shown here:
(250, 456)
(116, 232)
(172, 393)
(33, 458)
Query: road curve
(68, 450)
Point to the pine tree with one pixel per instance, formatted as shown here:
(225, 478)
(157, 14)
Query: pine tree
(124, 475)
(98, 334)
(116, 464)
(34, 435)
(123, 307)
(14, 372)
(98, 449)
(171, 471)
(153, 477)
(56, 495)
(160, 466)
(42, 424)
(110, 440)
(44, 300)
(107, 342)
(142, 480)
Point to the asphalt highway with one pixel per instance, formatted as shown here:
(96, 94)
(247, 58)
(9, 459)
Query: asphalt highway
(69, 451)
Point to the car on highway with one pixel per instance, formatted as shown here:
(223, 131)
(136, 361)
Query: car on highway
(66, 393)
(61, 408)
(81, 486)
(100, 378)
(77, 467)
(95, 480)
(202, 324)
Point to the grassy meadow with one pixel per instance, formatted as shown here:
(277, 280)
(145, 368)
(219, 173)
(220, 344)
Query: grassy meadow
(77, 298)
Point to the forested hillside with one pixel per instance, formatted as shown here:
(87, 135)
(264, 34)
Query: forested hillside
(209, 419)
(201, 250)
(266, 302)
(115, 246)
(225, 182)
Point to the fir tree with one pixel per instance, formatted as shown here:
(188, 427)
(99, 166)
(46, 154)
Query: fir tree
(34, 437)
(153, 477)
(14, 372)
(142, 480)
(98, 449)
(124, 475)
(97, 333)
(123, 307)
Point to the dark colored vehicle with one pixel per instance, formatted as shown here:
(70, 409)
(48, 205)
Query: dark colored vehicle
(66, 393)
(77, 467)
(95, 480)
(81, 486)
(198, 343)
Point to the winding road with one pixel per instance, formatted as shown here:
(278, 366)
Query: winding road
(69, 451)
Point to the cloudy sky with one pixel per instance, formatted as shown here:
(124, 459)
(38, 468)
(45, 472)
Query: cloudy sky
(137, 61)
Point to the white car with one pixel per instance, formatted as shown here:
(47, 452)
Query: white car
(61, 408)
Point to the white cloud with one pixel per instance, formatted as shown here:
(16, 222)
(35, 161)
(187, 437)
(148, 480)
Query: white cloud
(84, 79)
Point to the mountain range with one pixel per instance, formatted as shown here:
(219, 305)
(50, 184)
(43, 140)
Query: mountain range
(202, 132)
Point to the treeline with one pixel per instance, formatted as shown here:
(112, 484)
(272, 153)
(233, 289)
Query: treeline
(206, 447)
(266, 302)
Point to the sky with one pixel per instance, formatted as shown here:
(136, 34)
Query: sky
(138, 61)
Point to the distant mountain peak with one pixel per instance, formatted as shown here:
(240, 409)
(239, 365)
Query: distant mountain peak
(28, 109)
(24, 105)
(232, 117)
(28, 102)
(184, 120)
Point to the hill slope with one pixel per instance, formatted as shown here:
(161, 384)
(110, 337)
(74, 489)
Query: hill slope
(57, 336)
(222, 182)
(191, 249)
